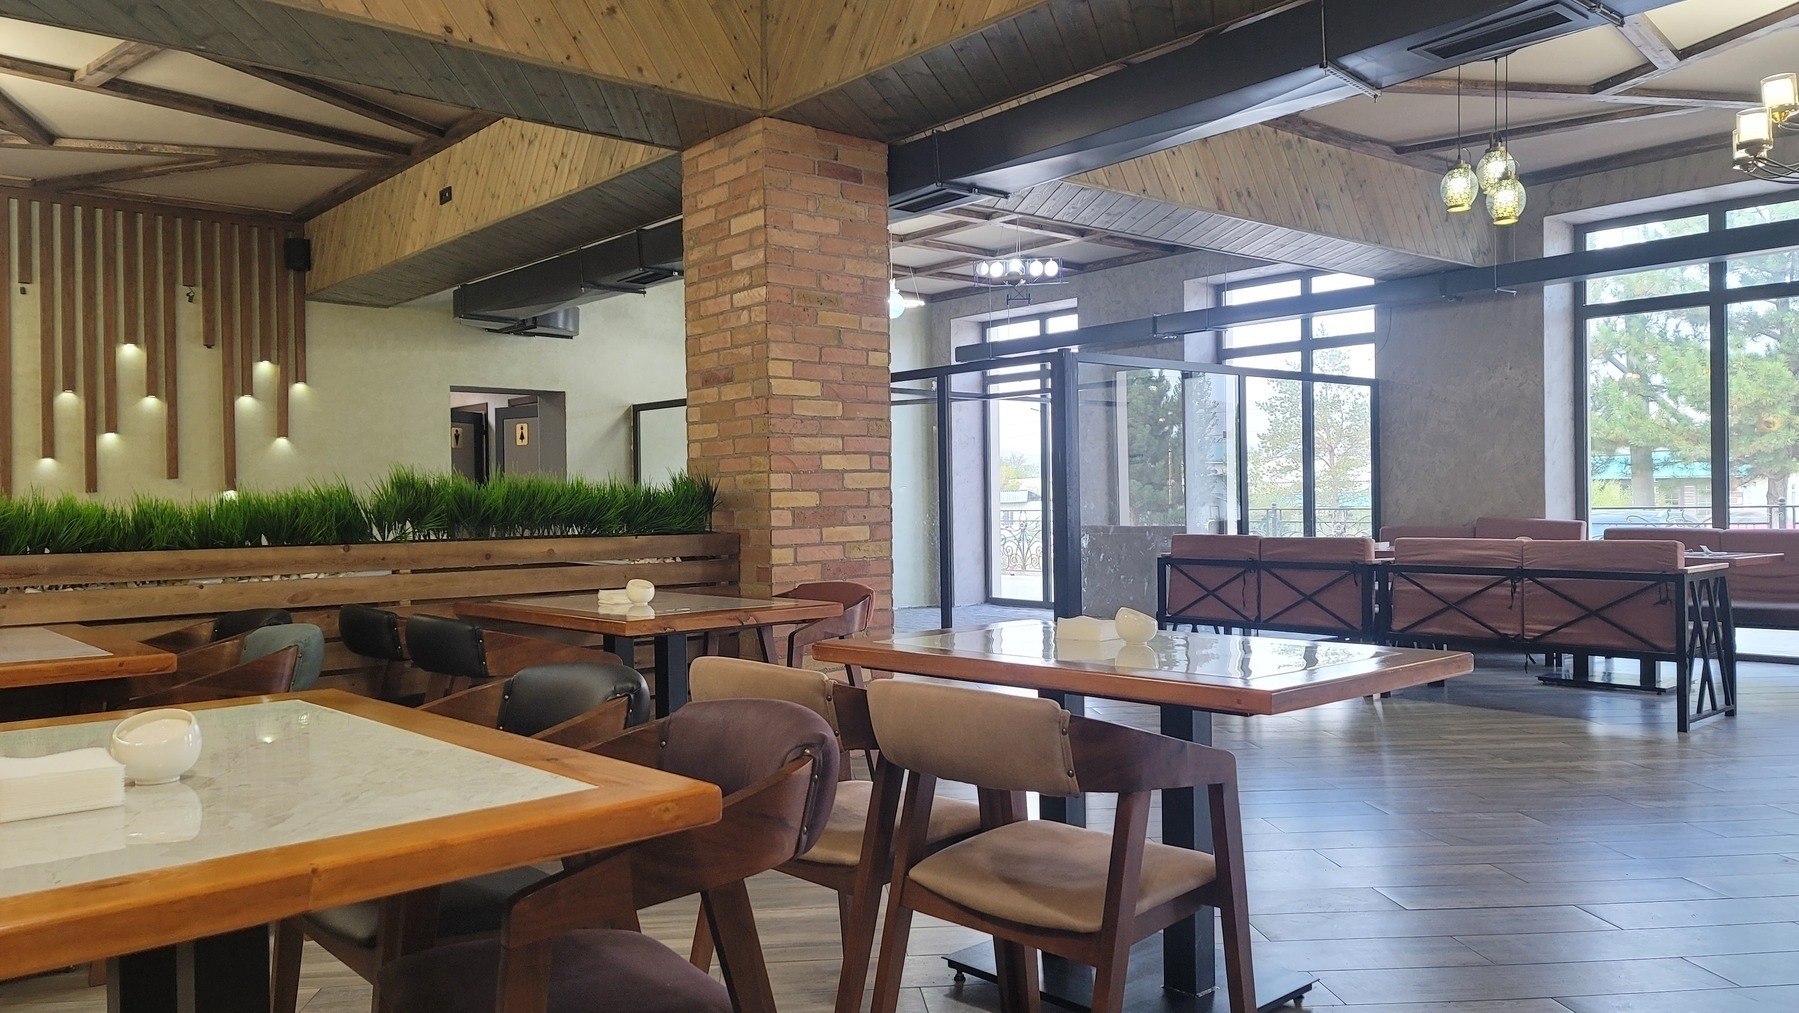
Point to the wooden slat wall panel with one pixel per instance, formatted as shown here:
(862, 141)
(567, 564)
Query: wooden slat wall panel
(66, 321)
(246, 311)
(91, 394)
(109, 314)
(149, 271)
(46, 308)
(170, 376)
(7, 217)
(112, 273)
(209, 284)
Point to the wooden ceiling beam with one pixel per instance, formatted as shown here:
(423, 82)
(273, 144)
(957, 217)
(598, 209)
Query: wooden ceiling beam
(934, 232)
(114, 62)
(1066, 233)
(1649, 40)
(15, 118)
(1716, 45)
(331, 198)
(1302, 127)
(983, 254)
(266, 156)
(127, 174)
(341, 98)
(1578, 93)
(163, 98)
(1548, 127)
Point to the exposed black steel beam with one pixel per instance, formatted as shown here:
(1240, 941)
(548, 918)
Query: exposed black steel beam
(1703, 248)
(1282, 64)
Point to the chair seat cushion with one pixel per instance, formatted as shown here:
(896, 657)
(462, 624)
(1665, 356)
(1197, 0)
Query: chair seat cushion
(595, 971)
(1053, 876)
(464, 908)
(841, 842)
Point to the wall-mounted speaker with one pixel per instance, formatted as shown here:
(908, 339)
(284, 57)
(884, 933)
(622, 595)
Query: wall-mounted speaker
(298, 251)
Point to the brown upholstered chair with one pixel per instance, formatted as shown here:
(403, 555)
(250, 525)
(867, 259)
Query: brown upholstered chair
(1693, 538)
(1541, 528)
(1083, 894)
(1390, 532)
(1425, 607)
(777, 764)
(854, 854)
(1216, 590)
(1316, 585)
(1622, 615)
(271, 673)
(791, 648)
(1766, 594)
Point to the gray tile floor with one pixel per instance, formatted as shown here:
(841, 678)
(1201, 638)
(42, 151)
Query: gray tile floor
(1492, 846)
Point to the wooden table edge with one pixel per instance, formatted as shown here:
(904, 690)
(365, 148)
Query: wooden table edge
(73, 924)
(801, 610)
(125, 658)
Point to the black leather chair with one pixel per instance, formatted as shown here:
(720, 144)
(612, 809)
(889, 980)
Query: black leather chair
(374, 633)
(450, 649)
(543, 696)
(233, 624)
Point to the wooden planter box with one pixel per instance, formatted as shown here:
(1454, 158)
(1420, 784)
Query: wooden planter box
(113, 587)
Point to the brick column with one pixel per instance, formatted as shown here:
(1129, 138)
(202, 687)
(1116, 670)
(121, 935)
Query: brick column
(787, 351)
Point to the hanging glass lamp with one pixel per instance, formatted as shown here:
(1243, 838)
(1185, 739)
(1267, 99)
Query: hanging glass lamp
(1506, 201)
(1495, 166)
(1460, 188)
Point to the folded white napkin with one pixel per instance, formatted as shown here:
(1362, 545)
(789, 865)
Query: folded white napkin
(1086, 628)
(70, 782)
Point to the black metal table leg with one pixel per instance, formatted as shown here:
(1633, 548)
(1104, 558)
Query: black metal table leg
(624, 647)
(1184, 974)
(218, 974)
(671, 673)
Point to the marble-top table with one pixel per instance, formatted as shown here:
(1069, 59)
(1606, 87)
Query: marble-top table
(299, 803)
(1189, 677)
(669, 618)
(47, 655)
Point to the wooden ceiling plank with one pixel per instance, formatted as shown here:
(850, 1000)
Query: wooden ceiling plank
(1547, 127)
(17, 119)
(1577, 93)
(114, 62)
(271, 156)
(340, 98)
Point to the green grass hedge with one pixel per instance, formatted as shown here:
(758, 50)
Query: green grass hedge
(407, 505)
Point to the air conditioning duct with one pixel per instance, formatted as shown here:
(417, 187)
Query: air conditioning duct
(541, 299)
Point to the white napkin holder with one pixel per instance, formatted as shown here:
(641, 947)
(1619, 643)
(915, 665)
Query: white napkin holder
(71, 782)
(1085, 629)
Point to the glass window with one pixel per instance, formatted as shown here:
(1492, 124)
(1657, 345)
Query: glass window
(1279, 360)
(1286, 288)
(1770, 268)
(1275, 465)
(1062, 322)
(1343, 466)
(1342, 325)
(1014, 329)
(1764, 411)
(1648, 284)
(1271, 332)
(1649, 418)
(1339, 282)
(1348, 360)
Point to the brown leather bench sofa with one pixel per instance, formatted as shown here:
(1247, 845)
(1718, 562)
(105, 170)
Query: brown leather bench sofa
(1765, 596)
(1286, 585)
(1541, 528)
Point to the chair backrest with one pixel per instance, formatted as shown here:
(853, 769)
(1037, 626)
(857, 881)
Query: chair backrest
(1530, 527)
(309, 639)
(721, 678)
(1330, 594)
(232, 624)
(371, 632)
(991, 740)
(1426, 605)
(271, 673)
(1692, 538)
(1389, 532)
(544, 696)
(1763, 583)
(737, 743)
(1625, 615)
(446, 646)
(858, 601)
(1219, 591)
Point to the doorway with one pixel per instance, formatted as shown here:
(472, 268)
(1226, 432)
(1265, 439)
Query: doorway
(512, 432)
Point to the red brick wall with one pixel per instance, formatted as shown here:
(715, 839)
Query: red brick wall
(787, 351)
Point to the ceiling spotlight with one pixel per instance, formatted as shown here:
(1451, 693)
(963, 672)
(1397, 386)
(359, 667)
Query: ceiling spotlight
(1036, 268)
(980, 269)
(1051, 268)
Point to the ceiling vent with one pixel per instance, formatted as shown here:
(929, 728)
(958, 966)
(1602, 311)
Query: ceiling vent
(1504, 34)
(540, 299)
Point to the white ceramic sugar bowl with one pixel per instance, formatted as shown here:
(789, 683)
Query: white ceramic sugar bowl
(1134, 627)
(157, 746)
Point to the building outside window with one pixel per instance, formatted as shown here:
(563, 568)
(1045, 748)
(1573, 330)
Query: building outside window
(1691, 377)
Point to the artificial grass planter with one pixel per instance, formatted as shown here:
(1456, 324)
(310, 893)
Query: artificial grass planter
(407, 505)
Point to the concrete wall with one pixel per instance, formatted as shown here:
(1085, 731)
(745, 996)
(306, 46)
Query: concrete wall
(915, 519)
(378, 396)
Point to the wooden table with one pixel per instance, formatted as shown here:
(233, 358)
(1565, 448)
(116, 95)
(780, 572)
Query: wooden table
(298, 803)
(52, 655)
(1190, 677)
(669, 618)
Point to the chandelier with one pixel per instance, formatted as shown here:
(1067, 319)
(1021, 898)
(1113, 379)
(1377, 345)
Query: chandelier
(1495, 176)
(1017, 270)
(899, 302)
(1753, 142)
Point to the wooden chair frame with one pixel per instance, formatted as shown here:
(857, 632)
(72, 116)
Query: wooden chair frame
(1108, 758)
